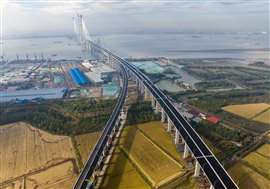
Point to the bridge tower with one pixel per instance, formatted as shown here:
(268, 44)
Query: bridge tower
(81, 31)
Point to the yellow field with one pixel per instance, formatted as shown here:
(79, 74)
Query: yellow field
(263, 117)
(61, 177)
(246, 110)
(139, 162)
(121, 174)
(264, 150)
(155, 164)
(245, 177)
(25, 149)
(155, 131)
(253, 171)
(35, 159)
(85, 143)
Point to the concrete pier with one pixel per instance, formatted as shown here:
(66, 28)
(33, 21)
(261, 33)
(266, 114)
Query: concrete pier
(176, 137)
(186, 151)
(163, 116)
(169, 126)
(197, 169)
(153, 102)
(146, 93)
(157, 109)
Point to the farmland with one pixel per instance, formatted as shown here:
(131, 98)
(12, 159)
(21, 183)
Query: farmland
(144, 161)
(60, 176)
(32, 158)
(159, 135)
(258, 112)
(253, 171)
(122, 174)
(23, 141)
(85, 143)
(156, 164)
(246, 110)
(263, 117)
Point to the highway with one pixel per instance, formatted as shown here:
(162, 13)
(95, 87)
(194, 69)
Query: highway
(93, 159)
(214, 171)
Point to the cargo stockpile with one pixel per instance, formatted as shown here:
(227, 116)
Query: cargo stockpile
(78, 77)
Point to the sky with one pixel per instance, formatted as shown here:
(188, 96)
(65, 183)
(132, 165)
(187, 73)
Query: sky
(27, 17)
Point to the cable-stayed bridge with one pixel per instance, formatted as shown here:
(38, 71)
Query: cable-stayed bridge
(205, 162)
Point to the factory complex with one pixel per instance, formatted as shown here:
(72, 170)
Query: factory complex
(29, 81)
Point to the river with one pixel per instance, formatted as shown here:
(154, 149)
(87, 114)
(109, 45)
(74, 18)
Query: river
(244, 46)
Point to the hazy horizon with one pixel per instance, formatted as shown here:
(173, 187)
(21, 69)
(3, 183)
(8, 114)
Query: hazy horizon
(54, 17)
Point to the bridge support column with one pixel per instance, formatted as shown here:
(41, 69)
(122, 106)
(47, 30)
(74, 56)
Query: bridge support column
(186, 151)
(153, 102)
(137, 83)
(157, 109)
(163, 116)
(169, 127)
(197, 169)
(146, 93)
(142, 87)
(212, 187)
(177, 136)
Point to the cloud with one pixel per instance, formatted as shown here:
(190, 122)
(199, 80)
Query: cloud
(105, 16)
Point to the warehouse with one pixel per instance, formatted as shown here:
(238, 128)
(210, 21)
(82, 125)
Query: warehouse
(32, 94)
(98, 73)
(78, 77)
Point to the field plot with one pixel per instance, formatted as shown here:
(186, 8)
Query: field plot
(140, 161)
(27, 151)
(60, 176)
(245, 177)
(158, 166)
(264, 150)
(85, 143)
(155, 131)
(263, 117)
(253, 171)
(246, 110)
(17, 184)
(121, 174)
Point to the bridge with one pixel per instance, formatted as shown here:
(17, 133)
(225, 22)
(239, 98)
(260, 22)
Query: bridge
(206, 164)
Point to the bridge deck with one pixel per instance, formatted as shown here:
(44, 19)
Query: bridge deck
(215, 172)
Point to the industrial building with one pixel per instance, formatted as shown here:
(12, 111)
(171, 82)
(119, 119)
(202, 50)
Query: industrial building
(78, 77)
(32, 94)
(98, 73)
